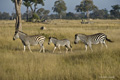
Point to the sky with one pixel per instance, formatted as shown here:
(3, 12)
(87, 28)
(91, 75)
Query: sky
(8, 6)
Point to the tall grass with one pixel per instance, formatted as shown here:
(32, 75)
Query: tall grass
(79, 65)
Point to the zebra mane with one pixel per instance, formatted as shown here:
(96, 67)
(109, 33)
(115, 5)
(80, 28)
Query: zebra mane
(35, 35)
(20, 32)
(80, 34)
(52, 37)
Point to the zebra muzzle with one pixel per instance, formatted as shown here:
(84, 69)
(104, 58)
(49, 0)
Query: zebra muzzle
(75, 43)
(13, 38)
(48, 43)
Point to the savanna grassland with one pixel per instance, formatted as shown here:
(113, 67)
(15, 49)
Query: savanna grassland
(101, 64)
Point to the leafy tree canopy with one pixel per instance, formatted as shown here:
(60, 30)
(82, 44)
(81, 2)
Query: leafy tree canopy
(42, 12)
(59, 6)
(115, 11)
(32, 1)
(85, 5)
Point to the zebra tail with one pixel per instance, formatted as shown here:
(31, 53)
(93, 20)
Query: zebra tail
(108, 40)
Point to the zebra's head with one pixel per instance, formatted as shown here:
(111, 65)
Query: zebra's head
(16, 35)
(50, 41)
(76, 39)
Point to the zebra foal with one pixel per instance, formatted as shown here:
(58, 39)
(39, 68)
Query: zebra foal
(88, 40)
(58, 43)
(30, 40)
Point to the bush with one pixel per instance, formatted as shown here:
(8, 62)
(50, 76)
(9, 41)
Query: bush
(35, 16)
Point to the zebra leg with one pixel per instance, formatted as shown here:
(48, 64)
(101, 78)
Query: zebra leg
(91, 47)
(101, 45)
(70, 47)
(29, 48)
(66, 49)
(40, 49)
(85, 47)
(54, 49)
(43, 49)
(24, 48)
(59, 48)
(105, 44)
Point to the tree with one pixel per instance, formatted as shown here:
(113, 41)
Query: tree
(34, 3)
(53, 16)
(26, 3)
(0, 15)
(33, 6)
(115, 11)
(27, 13)
(13, 15)
(70, 15)
(18, 24)
(42, 13)
(59, 7)
(101, 14)
(4, 16)
(85, 6)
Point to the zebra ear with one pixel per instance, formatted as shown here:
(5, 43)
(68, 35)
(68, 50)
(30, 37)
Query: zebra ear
(49, 37)
(16, 31)
(76, 35)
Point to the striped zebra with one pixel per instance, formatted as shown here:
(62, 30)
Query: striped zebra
(88, 40)
(30, 40)
(58, 43)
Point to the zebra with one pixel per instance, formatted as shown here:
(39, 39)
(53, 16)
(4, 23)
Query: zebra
(30, 40)
(88, 40)
(58, 43)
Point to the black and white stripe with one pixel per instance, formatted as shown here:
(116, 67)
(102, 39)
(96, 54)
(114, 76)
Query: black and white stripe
(30, 40)
(39, 39)
(88, 40)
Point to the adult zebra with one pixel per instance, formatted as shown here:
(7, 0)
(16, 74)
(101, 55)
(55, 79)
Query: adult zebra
(30, 40)
(88, 40)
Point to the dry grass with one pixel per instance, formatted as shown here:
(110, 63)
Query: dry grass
(79, 65)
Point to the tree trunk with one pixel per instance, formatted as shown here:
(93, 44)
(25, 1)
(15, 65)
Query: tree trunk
(18, 24)
(33, 10)
(87, 14)
(60, 15)
(27, 13)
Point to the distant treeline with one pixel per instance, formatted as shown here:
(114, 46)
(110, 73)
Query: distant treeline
(43, 14)
(85, 10)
